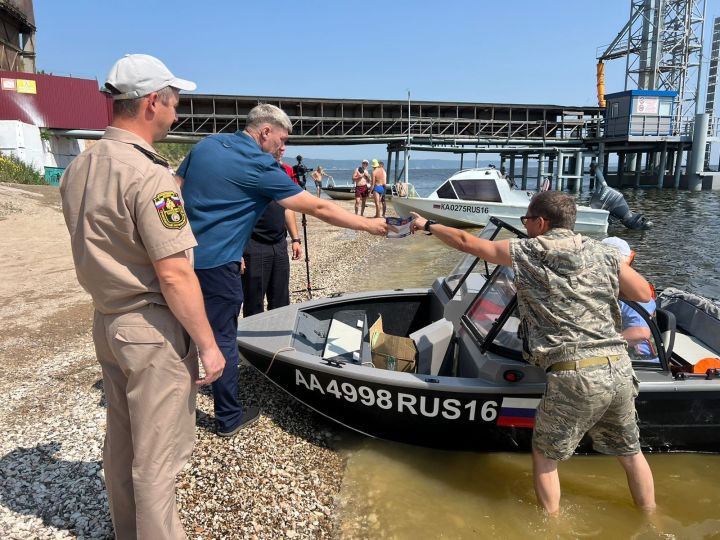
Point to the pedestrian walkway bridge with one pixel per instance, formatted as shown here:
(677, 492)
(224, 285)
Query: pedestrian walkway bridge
(349, 121)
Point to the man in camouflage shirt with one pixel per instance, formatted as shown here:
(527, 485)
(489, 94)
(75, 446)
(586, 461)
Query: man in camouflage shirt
(568, 288)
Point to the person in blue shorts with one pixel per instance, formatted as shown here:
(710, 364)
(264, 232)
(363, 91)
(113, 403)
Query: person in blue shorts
(228, 180)
(379, 182)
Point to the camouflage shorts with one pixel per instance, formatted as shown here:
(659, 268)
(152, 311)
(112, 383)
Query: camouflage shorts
(599, 401)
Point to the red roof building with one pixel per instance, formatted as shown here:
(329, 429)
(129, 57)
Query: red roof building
(48, 101)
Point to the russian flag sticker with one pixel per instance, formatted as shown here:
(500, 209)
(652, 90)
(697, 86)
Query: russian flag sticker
(518, 412)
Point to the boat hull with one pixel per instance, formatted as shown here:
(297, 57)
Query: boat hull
(458, 213)
(470, 420)
(341, 193)
(451, 412)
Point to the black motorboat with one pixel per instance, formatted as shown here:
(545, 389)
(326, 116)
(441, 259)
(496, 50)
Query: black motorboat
(465, 385)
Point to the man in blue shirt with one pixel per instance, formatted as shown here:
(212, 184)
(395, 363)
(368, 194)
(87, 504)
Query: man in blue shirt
(228, 180)
(634, 328)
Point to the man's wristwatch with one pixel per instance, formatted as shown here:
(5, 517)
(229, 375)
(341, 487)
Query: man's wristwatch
(427, 225)
(296, 240)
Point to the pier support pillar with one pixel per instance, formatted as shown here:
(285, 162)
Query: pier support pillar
(663, 165)
(577, 182)
(621, 169)
(389, 161)
(540, 170)
(638, 168)
(558, 172)
(524, 171)
(697, 153)
(678, 166)
(512, 168)
(397, 162)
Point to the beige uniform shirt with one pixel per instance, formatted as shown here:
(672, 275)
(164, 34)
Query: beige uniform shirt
(123, 211)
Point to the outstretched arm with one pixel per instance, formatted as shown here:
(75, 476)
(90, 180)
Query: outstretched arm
(633, 286)
(494, 252)
(333, 214)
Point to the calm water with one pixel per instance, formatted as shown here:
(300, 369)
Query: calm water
(398, 491)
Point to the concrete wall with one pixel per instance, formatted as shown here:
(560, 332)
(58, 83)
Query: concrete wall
(22, 141)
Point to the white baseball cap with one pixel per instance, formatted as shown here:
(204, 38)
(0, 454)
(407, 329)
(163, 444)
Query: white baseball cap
(618, 243)
(137, 75)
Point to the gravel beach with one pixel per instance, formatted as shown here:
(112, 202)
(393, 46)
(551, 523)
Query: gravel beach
(280, 478)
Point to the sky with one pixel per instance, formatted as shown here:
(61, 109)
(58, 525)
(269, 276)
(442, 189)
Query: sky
(497, 51)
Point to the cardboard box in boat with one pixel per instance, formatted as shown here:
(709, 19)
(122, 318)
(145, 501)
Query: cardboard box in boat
(390, 352)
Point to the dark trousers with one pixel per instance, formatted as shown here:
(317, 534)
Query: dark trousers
(267, 273)
(223, 295)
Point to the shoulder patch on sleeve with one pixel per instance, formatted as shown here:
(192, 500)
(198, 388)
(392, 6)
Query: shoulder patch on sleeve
(170, 208)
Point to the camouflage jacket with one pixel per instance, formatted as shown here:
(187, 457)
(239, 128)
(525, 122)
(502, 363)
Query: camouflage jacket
(567, 290)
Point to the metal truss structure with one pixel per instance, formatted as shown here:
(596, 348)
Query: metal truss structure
(662, 47)
(347, 121)
(17, 36)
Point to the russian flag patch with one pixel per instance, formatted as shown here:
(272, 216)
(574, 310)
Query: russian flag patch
(518, 412)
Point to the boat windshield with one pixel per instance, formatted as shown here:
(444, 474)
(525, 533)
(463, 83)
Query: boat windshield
(477, 189)
(470, 264)
(493, 315)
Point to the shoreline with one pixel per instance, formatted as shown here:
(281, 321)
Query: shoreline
(279, 478)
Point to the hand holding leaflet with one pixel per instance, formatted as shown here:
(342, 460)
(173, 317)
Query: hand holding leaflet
(399, 227)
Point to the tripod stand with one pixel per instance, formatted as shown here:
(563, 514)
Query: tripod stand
(309, 289)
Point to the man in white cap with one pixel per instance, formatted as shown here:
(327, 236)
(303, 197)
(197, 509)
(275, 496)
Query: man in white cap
(635, 329)
(132, 247)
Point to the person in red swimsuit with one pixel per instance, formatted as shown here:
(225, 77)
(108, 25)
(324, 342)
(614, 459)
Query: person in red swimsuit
(361, 177)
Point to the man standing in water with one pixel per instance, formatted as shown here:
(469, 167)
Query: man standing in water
(567, 293)
(361, 177)
(379, 185)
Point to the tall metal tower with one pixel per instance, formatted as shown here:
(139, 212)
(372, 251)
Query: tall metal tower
(17, 36)
(712, 83)
(662, 47)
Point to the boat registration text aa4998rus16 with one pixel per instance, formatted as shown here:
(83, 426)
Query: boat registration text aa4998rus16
(512, 411)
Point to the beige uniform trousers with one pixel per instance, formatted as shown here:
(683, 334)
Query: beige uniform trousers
(149, 367)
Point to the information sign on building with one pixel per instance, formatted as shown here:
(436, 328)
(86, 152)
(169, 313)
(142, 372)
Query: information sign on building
(645, 105)
(26, 86)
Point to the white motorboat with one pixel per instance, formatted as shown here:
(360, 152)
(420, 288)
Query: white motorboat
(469, 197)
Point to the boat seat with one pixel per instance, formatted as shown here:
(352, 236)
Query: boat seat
(347, 337)
(432, 343)
(691, 350)
(667, 326)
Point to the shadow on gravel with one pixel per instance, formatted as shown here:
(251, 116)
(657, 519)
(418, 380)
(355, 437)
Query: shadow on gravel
(99, 387)
(289, 414)
(67, 495)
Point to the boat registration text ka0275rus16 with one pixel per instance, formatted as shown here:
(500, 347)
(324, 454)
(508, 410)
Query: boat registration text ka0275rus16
(510, 411)
(452, 207)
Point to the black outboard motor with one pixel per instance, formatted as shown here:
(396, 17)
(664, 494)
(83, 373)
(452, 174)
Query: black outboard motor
(607, 198)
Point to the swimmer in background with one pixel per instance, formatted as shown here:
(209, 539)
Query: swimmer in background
(379, 185)
(317, 176)
(360, 178)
